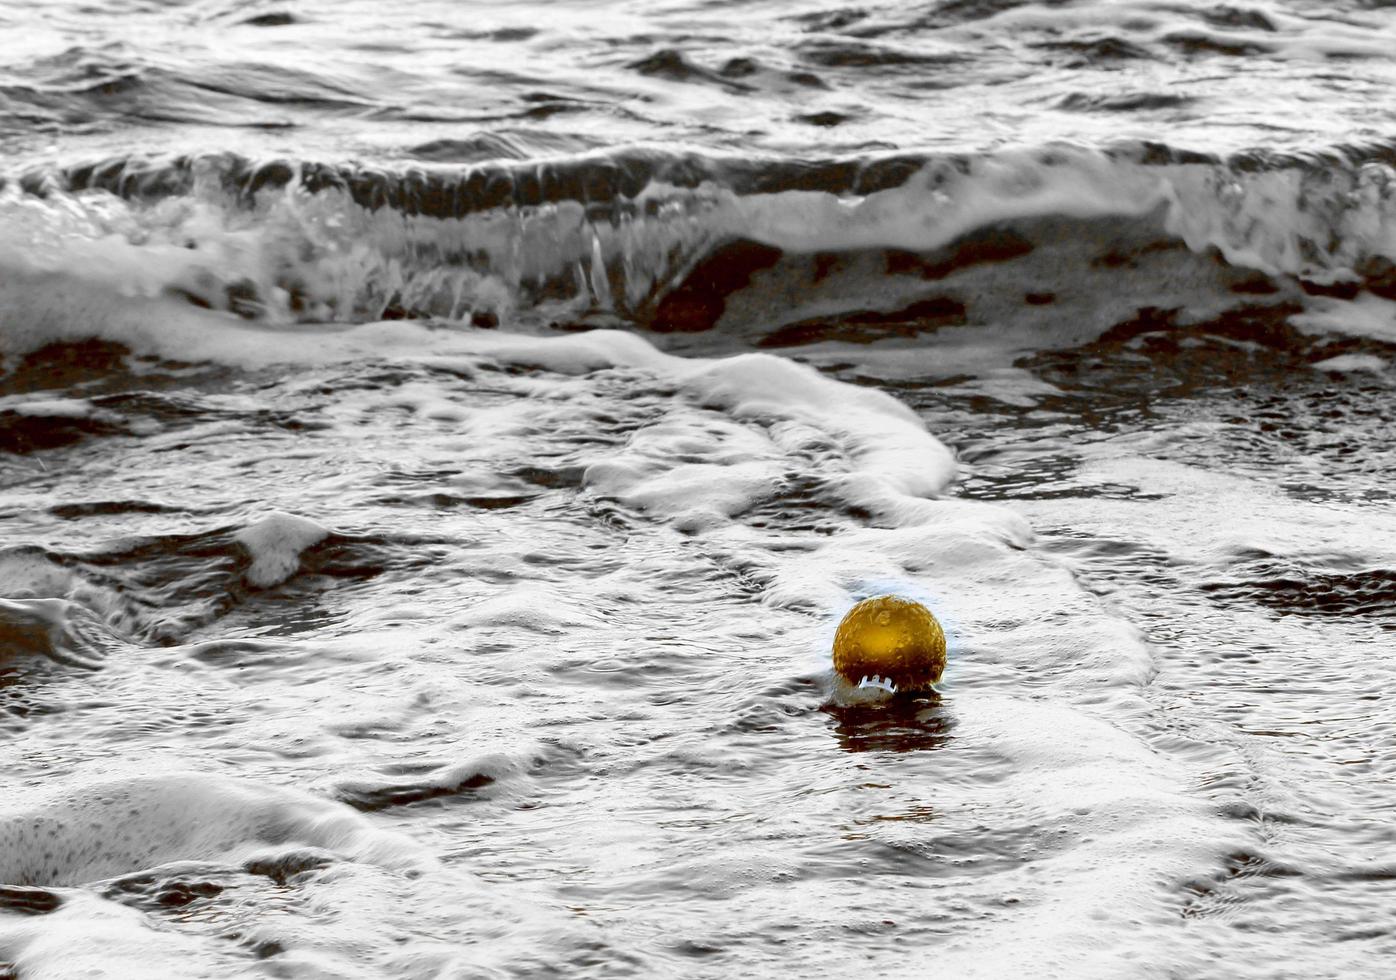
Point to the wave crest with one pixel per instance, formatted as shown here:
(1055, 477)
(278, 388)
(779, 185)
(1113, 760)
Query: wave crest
(642, 236)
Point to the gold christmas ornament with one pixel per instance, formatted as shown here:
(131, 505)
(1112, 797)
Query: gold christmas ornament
(890, 643)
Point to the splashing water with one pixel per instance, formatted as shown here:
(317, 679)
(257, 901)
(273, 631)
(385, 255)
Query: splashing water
(437, 448)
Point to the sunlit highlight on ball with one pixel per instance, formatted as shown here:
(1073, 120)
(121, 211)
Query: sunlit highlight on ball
(890, 643)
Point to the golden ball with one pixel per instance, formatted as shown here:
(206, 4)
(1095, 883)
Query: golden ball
(890, 642)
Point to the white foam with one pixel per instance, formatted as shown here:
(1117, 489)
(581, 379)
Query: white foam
(89, 937)
(39, 310)
(131, 824)
(1010, 385)
(884, 435)
(275, 544)
(942, 203)
(28, 573)
(532, 608)
(1209, 515)
(1134, 840)
(895, 461)
(54, 408)
(693, 495)
(1347, 363)
(1364, 316)
(426, 401)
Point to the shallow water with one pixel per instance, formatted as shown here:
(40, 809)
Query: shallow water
(436, 449)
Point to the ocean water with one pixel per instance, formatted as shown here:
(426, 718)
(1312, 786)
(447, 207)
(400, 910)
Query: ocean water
(438, 442)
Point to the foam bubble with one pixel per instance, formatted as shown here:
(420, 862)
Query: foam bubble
(275, 544)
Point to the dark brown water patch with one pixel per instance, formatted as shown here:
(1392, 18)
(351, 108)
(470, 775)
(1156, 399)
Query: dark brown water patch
(154, 890)
(1200, 44)
(673, 66)
(867, 326)
(1243, 18)
(1256, 285)
(1378, 276)
(1128, 258)
(282, 869)
(1153, 357)
(824, 119)
(980, 247)
(564, 477)
(22, 434)
(370, 799)
(451, 501)
(278, 18)
(1332, 290)
(1134, 102)
(739, 68)
(25, 900)
(698, 303)
(851, 54)
(1096, 51)
(106, 508)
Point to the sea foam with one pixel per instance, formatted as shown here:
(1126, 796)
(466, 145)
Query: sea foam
(127, 825)
(275, 544)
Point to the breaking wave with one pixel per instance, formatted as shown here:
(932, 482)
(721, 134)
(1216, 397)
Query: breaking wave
(682, 242)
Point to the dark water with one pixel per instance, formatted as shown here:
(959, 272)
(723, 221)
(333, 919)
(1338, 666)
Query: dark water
(436, 447)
